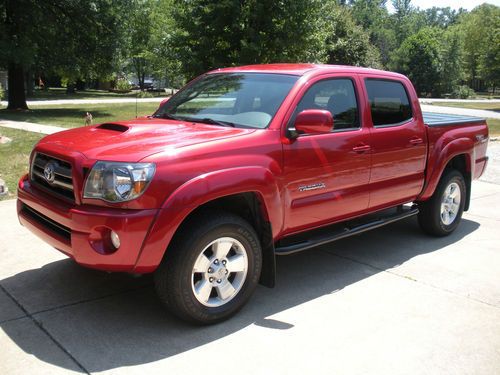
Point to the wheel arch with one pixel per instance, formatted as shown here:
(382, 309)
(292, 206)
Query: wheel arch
(250, 192)
(457, 155)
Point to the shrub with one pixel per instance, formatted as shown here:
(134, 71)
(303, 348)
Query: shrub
(2, 92)
(462, 92)
(122, 85)
(144, 94)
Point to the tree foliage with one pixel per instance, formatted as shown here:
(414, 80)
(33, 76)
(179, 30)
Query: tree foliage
(175, 40)
(480, 31)
(71, 38)
(346, 42)
(213, 34)
(419, 58)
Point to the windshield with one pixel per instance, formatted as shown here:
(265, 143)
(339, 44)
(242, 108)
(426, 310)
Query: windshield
(230, 99)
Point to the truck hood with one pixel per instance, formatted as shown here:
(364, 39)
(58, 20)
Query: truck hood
(132, 141)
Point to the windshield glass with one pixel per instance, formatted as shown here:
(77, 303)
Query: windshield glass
(230, 99)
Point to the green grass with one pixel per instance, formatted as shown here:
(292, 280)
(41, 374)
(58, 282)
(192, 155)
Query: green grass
(494, 127)
(70, 116)
(60, 93)
(488, 106)
(14, 157)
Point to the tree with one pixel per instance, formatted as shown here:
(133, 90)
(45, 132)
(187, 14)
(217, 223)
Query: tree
(419, 57)
(213, 34)
(165, 63)
(442, 17)
(74, 38)
(139, 38)
(480, 31)
(373, 17)
(452, 60)
(347, 43)
(368, 13)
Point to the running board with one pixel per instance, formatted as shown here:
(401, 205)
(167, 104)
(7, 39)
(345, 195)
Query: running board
(344, 232)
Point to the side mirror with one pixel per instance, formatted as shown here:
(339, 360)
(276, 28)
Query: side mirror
(313, 121)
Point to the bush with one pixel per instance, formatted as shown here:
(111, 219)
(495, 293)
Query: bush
(144, 94)
(123, 85)
(462, 92)
(2, 92)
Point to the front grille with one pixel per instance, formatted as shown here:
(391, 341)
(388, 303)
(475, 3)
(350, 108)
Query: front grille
(62, 231)
(57, 178)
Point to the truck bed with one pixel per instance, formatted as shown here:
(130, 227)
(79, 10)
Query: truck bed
(442, 119)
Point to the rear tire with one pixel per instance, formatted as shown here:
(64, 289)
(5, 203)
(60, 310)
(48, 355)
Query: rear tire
(211, 268)
(441, 214)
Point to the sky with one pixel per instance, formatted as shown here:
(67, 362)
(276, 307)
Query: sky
(455, 4)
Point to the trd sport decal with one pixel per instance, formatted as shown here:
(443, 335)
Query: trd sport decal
(319, 185)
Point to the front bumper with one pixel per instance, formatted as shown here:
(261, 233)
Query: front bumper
(80, 231)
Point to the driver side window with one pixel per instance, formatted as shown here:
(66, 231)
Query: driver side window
(337, 96)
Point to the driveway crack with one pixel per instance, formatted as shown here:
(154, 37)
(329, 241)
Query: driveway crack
(44, 330)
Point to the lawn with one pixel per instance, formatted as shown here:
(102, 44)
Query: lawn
(488, 106)
(14, 156)
(494, 127)
(73, 115)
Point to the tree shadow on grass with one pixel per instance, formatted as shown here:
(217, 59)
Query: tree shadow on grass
(107, 321)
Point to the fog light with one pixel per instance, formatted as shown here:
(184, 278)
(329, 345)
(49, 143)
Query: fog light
(115, 239)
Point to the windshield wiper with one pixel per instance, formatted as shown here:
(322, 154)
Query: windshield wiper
(211, 121)
(167, 116)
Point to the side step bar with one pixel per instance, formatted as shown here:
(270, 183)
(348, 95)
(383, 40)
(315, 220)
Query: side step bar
(344, 232)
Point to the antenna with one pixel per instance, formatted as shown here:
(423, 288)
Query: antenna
(136, 96)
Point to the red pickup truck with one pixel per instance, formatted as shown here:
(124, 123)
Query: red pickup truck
(244, 164)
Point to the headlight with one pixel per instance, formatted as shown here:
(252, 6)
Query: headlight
(118, 182)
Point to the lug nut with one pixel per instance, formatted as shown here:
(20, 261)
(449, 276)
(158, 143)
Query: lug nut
(227, 272)
(224, 262)
(211, 279)
(210, 270)
(216, 261)
(219, 281)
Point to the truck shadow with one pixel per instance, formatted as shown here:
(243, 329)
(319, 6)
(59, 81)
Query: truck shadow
(107, 321)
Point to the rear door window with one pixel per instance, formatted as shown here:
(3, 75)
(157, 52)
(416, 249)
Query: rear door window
(389, 102)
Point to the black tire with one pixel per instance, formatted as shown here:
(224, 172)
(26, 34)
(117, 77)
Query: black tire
(429, 217)
(174, 278)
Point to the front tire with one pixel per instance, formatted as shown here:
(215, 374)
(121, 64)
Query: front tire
(211, 269)
(441, 214)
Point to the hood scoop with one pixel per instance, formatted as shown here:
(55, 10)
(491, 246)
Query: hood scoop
(114, 127)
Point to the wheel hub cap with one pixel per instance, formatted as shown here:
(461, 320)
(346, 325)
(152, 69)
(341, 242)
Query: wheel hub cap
(219, 272)
(450, 203)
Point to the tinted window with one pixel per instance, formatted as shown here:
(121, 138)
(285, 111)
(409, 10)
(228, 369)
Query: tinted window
(243, 99)
(388, 102)
(334, 95)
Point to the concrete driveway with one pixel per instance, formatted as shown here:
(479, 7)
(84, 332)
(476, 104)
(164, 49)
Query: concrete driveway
(391, 301)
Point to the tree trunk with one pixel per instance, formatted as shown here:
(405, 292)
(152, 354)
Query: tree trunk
(17, 95)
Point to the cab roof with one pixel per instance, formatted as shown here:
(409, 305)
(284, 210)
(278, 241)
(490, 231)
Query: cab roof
(300, 69)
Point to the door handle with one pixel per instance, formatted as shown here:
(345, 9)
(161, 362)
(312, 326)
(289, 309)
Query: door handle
(361, 148)
(416, 141)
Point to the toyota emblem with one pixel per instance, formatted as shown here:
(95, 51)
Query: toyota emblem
(49, 172)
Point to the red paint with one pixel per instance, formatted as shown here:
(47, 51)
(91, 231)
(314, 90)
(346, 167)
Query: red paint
(314, 121)
(302, 183)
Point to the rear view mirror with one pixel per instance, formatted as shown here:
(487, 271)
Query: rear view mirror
(313, 121)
